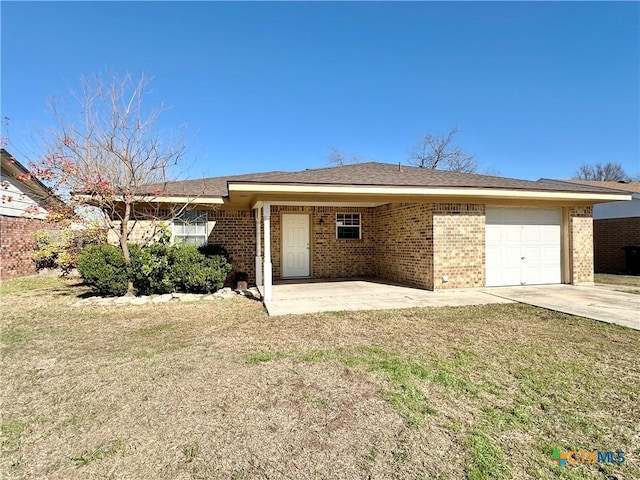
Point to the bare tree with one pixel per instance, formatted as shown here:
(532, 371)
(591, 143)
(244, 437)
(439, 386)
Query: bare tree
(107, 157)
(435, 151)
(338, 158)
(607, 172)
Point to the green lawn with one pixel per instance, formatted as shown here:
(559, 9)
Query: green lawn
(210, 390)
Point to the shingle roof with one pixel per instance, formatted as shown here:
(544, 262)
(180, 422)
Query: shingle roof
(369, 174)
(207, 187)
(633, 187)
(12, 167)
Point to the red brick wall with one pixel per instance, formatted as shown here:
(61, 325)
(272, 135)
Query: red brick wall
(609, 236)
(17, 243)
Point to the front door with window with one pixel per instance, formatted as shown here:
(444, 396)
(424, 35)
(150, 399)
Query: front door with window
(295, 245)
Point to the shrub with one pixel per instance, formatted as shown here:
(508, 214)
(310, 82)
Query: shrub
(60, 249)
(161, 268)
(154, 269)
(150, 269)
(191, 271)
(47, 250)
(214, 250)
(103, 267)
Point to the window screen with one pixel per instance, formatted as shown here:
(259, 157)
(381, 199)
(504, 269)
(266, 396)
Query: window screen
(191, 227)
(347, 226)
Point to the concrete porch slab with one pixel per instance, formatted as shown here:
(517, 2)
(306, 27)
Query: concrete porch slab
(595, 302)
(312, 296)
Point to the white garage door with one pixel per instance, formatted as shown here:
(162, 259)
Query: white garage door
(522, 246)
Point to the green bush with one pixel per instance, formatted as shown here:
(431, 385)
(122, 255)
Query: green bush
(214, 250)
(191, 271)
(160, 268)
(150, 269)
(103, 267)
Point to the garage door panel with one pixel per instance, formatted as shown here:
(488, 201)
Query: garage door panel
(493, 255)
(510, 255)
(532, 254)
(531, 235)
(493, 235)
(510, 235)
(503, 276)
(522, 246)
(550, 234)
(510, 276)
(549, 255)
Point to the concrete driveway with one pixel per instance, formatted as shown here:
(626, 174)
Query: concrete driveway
(313, 296)
(595, 302)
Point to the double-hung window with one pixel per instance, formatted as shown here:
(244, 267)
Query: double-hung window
(348, 226)
(190, 227)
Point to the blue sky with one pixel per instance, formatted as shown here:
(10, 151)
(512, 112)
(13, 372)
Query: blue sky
(535, 89)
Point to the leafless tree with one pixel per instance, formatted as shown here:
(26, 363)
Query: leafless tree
(607, 172)
(338, 158)
(440, 152)
(107, 156)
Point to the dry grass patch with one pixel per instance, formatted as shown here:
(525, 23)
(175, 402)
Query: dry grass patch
(631, 280)
(219, 390)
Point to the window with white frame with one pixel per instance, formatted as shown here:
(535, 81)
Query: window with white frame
(190, 227)
(348, 226)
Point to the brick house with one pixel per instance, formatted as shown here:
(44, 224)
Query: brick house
(24, 206)
(615, 225)
(427, 228)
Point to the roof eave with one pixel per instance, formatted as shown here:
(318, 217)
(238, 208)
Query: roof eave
(39, 190)
(426, 192)
(168, 198)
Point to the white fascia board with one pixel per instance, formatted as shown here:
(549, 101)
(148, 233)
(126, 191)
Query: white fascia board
(167, 199)
(321, 204)
(171, 199)
(427, 192)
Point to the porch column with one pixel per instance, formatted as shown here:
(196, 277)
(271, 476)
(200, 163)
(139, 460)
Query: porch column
(258, 247)
(267, 271)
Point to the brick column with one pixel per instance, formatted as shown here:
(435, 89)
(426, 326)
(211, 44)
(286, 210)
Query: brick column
(581, 245)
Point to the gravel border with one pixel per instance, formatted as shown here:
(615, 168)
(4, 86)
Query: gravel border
(223, 293)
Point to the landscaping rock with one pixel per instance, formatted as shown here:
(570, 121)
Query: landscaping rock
(190, 297)
(140, 300)
(251, 293)
(167, 297)
(225, 292)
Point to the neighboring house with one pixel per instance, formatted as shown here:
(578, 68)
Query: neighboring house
(615, 224)
(431, 229)
(24, 206)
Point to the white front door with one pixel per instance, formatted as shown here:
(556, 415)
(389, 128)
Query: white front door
(295, 245)
(522, 246)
